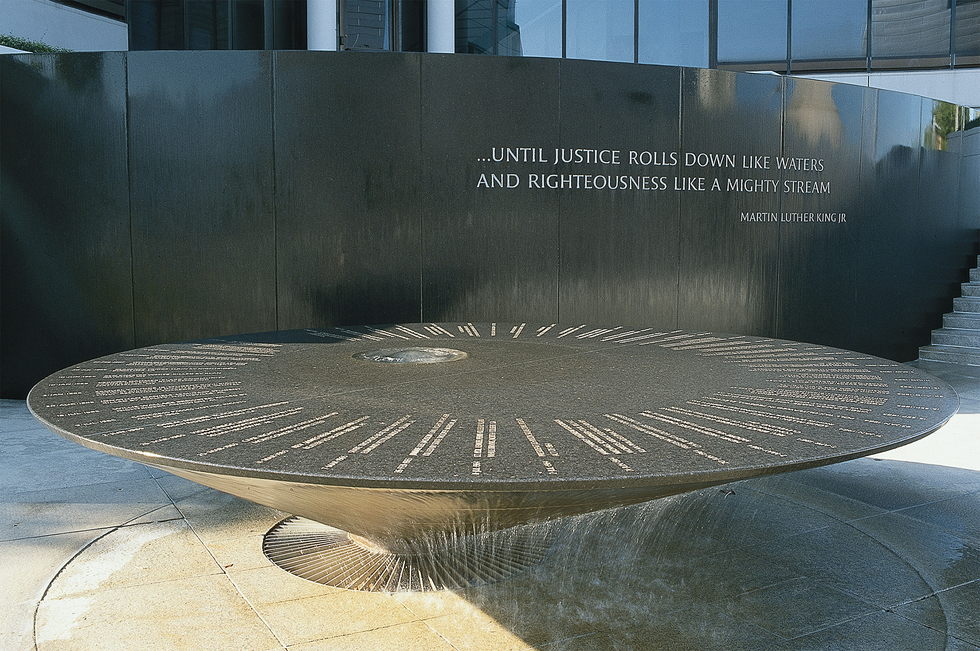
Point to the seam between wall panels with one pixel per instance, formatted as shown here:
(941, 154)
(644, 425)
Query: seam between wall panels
(776, 318)
(420, 185)
(273, 69)
(678, 205)
(558, 206)
(129, 197)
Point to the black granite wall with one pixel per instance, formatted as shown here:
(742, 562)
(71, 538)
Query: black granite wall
(66, 255)
(163, 196)
(201, 184)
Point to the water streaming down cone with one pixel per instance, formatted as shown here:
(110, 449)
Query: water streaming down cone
(329, 556)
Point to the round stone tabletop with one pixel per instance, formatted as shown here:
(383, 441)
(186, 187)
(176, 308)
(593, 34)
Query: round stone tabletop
(458, 405)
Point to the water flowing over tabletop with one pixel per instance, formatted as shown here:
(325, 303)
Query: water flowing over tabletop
(406, 447)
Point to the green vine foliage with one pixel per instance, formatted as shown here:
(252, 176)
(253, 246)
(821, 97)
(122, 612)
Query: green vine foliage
(28, 45)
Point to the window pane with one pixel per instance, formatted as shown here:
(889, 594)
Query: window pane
(366, 25)
(247, 19)
(474, 26)
(599, 29)
(968, 28)
(674, 32)
(751, 30)
(529, 27)
(830, 29)
(910, 29)
(411, 17)
(203, 20)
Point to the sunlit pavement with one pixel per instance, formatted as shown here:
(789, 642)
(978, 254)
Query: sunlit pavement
(878, 553)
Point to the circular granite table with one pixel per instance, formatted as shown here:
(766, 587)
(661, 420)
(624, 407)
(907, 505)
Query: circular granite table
(407, 434)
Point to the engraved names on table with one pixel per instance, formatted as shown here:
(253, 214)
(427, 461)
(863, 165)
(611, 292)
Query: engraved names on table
(803, 401)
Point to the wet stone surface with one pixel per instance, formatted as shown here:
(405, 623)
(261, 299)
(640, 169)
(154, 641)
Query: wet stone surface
(523, 405)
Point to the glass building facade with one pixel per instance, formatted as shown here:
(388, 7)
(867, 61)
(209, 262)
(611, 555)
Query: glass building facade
(779, 35)
(785, 36)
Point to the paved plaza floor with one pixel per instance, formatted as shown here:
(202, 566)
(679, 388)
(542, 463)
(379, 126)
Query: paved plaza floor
(879, 553)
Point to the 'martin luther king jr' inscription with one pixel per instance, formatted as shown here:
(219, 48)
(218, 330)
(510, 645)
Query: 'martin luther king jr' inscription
(399, 433)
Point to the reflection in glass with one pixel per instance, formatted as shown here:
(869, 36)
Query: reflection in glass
(971, 117)
(813, 116)
(474, 26)
(851, 103)
(508, 32)
(207, 26)
(509, 27)
(900, 29)
(601, 30)
(946, 120)
(751, 31)
(409, 19)
(830, 29)
(898, 125)
(751, 34)
(967, 28)
(213, 25)
(538, 25)
(673, 32)
(366, 25)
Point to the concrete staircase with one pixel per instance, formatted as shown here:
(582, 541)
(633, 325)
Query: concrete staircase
(959, 339)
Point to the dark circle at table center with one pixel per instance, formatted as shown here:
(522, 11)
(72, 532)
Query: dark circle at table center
(411, 355)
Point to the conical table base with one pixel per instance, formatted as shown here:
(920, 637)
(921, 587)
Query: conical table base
(322, 554)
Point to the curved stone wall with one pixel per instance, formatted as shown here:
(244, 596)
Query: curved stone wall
(165, 196)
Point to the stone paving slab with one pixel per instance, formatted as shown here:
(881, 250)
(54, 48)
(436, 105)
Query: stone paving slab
(880, 553)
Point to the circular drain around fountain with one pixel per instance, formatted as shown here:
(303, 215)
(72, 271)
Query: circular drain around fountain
(322, 554)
